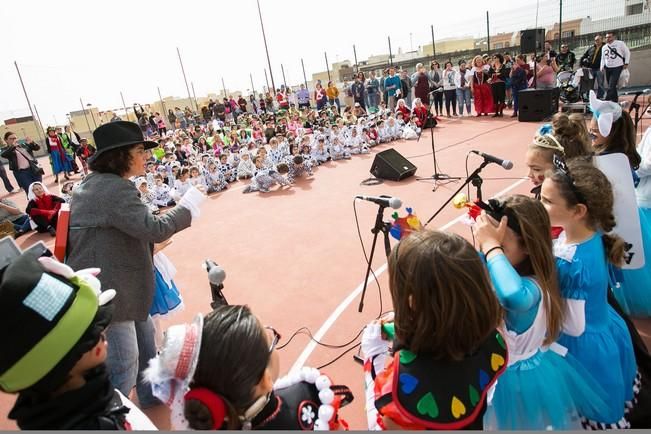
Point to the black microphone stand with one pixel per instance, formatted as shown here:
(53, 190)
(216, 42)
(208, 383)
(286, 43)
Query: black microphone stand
(218, 298)
(476, 181)
(436, 177)
(380, 226)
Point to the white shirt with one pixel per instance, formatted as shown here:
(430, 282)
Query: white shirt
(615, 54)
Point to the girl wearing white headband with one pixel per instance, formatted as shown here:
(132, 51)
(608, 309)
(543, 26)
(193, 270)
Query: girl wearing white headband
(612, 131)
(221, 372)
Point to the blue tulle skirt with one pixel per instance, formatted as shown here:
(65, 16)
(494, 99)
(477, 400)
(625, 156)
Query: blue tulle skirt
(606, 352)
(634, 290)
(545, 391)
(60, 162)
(166, 298)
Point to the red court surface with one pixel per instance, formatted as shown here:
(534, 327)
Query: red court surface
(294, 255)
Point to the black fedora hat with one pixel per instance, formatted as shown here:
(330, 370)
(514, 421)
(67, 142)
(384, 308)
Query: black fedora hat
(118, 134)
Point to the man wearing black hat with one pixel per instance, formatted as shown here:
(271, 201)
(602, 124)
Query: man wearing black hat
(112, 229)
(52, 323)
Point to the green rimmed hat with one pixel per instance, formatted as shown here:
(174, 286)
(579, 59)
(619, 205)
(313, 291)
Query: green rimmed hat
(47, 322)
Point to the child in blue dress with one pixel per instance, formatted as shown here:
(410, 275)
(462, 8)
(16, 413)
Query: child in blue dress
(612, 131)
(543, 386)
(579, 198)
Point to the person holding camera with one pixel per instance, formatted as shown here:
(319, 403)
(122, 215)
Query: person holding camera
(22, 162)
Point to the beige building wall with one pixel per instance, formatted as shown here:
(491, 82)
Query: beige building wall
(448, 46)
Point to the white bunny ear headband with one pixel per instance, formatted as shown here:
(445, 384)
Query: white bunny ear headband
(606, 112)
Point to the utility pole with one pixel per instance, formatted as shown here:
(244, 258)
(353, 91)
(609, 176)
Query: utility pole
(266, 78)
(184, 77)
(488, 33)
(162, 104)
(433, 43)
(560, 26)
(355, 54)
(224, 87)
(327, 66)
(304, 77)
(252, 86)
(390, 54)
(90, 130)
(266, 49)
(284, 80)
(126, 112)
(29, 104)
(196, 104)
(38, 115)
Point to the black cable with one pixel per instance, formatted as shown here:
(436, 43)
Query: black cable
(306, 331)
(339, 356)
(372, 181)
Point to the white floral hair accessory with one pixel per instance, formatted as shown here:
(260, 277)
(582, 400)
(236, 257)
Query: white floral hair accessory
(606, 112)
(171, 372)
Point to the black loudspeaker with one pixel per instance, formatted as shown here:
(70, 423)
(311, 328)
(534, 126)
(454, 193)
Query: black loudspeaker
(535, 105)
(532, 41)
(391, 165)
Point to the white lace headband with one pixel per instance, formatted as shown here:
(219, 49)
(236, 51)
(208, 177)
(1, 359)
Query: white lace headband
(171, 372)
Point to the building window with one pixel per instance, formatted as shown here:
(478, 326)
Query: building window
(507, 45)
(634, 9)
(498, 45)
(568, 34)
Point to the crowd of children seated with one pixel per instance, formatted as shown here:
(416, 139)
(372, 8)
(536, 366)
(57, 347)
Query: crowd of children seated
(268, 149)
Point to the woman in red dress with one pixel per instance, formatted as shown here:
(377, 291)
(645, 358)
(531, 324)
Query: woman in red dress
(420, 110)
(481, 90)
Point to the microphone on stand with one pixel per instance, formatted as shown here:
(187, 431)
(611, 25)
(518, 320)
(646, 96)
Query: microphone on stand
(384, 201)
(216, 277)
(507, 164)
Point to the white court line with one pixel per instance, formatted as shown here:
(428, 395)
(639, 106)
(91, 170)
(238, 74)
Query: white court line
(353, 295)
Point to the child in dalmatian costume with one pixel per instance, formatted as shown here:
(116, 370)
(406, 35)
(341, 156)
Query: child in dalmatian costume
(230, 174)
(297, 168)
(266, 178)
(215, 179)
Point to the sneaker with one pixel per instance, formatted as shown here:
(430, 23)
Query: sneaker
(52, 231)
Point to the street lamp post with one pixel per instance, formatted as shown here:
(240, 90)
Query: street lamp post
(266, 49)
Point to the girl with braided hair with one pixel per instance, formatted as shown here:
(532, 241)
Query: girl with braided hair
(579, 198)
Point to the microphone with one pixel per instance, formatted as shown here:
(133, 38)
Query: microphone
(507, 164)
(384, 201)
(216, 277)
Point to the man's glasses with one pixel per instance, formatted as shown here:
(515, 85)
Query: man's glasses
(274, 337)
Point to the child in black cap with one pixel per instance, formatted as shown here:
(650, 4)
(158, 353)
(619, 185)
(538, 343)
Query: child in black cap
(53, 322)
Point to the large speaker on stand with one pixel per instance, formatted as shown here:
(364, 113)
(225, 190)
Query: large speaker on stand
(532, 41)
(536, 105)
(391, 165)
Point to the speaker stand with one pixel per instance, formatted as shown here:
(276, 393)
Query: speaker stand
(436, 177)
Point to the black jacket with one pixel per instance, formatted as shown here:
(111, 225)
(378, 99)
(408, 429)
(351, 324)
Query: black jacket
(96, 406)
(590, 54)
(10, 153)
